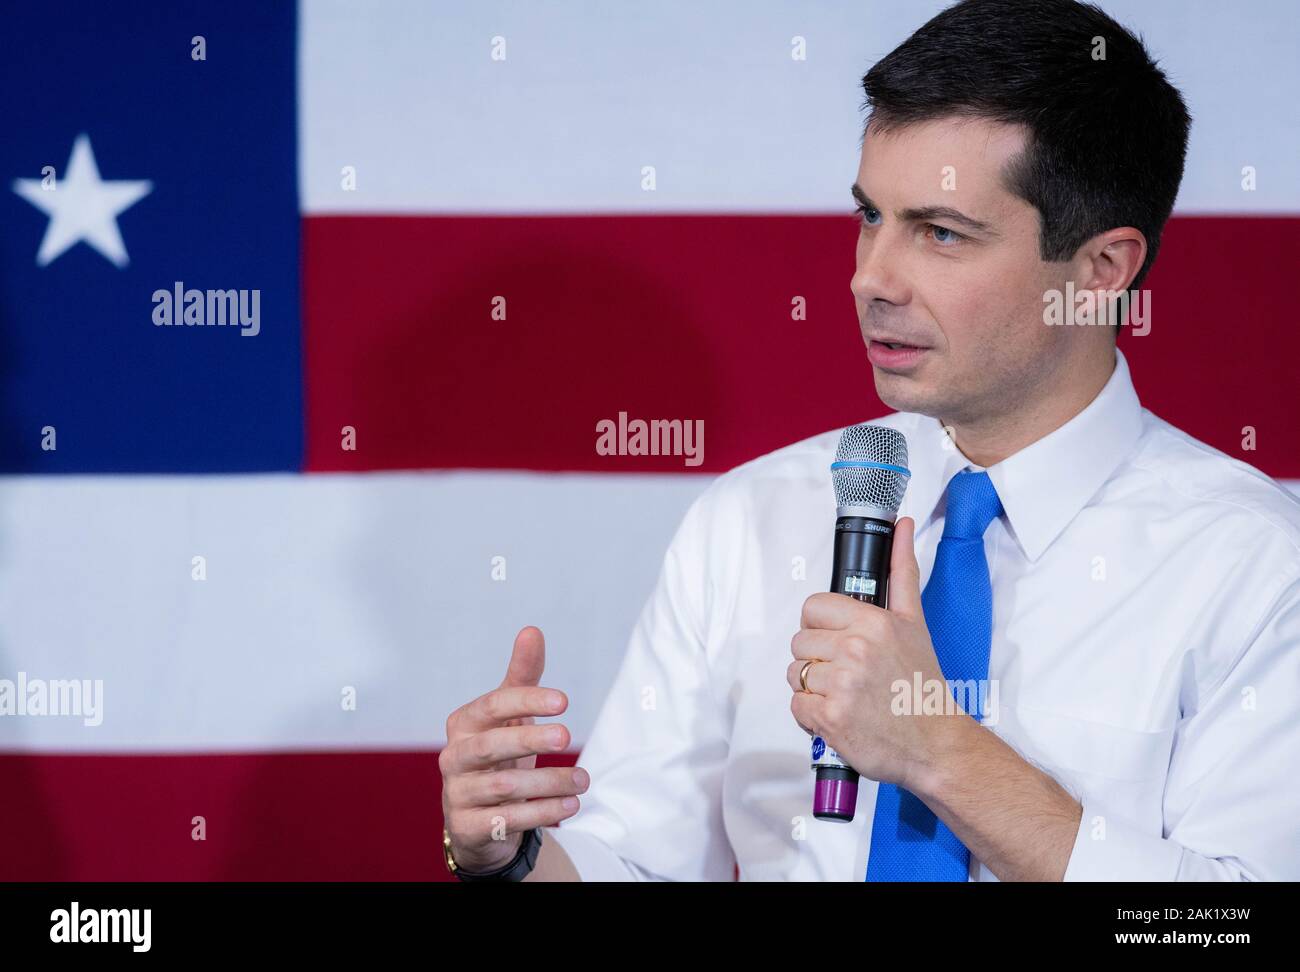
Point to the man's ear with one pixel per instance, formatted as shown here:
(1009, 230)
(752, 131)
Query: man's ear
(1114, 259)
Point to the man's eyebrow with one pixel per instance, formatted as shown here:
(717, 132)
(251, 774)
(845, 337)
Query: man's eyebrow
(927, 214)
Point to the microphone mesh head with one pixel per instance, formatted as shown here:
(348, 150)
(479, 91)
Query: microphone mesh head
(855, 486)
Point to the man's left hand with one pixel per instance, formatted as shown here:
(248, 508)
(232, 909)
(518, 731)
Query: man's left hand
(859, 696)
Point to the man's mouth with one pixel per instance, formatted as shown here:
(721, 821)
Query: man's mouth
(889, 340)
(894, 355)
(895, 345)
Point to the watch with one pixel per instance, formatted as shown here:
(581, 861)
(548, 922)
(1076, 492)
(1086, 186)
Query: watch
(515, 870)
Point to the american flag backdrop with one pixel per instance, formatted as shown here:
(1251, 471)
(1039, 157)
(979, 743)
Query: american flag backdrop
(309, 315)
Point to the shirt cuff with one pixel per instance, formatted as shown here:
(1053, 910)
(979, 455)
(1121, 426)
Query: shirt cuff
(1107, 848)
(593, 859)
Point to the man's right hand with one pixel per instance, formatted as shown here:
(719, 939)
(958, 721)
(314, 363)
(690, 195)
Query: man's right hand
(492, 790)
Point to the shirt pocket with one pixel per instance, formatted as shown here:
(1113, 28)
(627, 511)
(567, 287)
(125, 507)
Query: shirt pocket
(1087, 750)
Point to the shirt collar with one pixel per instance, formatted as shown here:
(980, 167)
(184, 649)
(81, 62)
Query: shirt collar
(1044, 485)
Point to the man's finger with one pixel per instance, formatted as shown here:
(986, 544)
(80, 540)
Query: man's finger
(806, 709)
(524, 815)
(904, 571)
(527, 659)
(484, 750)
(494, 787)
(501, 706)
(833, 611)
(818, 673)
(813, 643)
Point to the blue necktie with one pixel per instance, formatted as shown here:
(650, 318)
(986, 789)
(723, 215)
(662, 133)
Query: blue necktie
(908, 842)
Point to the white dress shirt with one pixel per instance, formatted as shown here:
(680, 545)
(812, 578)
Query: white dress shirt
(1146, 650)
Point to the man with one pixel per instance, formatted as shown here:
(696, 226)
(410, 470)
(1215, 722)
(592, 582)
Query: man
(1133, 593)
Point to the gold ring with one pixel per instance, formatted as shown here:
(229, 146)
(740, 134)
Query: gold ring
(803, 673)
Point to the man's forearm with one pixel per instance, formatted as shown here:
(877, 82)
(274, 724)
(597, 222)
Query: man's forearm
(553, 863)
(1011, 815)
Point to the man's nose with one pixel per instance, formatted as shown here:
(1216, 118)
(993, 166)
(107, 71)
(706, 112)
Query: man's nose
(879, 274)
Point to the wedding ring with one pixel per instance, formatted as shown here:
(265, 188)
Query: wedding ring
(803, 673)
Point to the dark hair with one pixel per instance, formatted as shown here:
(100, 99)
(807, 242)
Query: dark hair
(1106, 137)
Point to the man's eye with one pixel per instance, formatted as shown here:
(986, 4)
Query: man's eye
(868, 214)
(944, 236)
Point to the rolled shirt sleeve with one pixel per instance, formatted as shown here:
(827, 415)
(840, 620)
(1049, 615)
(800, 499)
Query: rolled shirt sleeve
(1232, 795)
(658, 748)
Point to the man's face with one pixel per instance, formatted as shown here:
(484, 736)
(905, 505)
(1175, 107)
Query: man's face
(969, 291)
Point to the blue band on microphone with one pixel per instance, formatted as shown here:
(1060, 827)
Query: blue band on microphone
(863, 464)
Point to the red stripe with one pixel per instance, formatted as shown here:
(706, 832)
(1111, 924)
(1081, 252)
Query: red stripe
(688, 317)
(269, 817)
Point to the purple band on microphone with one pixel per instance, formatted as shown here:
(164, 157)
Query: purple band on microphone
(836, 799)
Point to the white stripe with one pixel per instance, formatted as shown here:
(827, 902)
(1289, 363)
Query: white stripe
(379, 581)
(709, 95)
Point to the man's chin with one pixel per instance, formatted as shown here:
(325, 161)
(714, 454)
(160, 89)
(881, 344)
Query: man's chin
(903, 393)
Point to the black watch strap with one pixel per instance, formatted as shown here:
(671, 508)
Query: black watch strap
(517, 869)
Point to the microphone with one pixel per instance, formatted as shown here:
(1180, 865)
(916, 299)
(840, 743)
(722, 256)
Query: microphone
(870, 475)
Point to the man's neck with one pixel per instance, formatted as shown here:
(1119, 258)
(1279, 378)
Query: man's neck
(987, 442)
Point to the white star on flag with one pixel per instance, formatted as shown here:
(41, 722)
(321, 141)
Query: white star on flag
(83, 207)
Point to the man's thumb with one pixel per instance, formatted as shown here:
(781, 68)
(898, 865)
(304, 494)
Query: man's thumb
(904, 571)
(527, 659)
